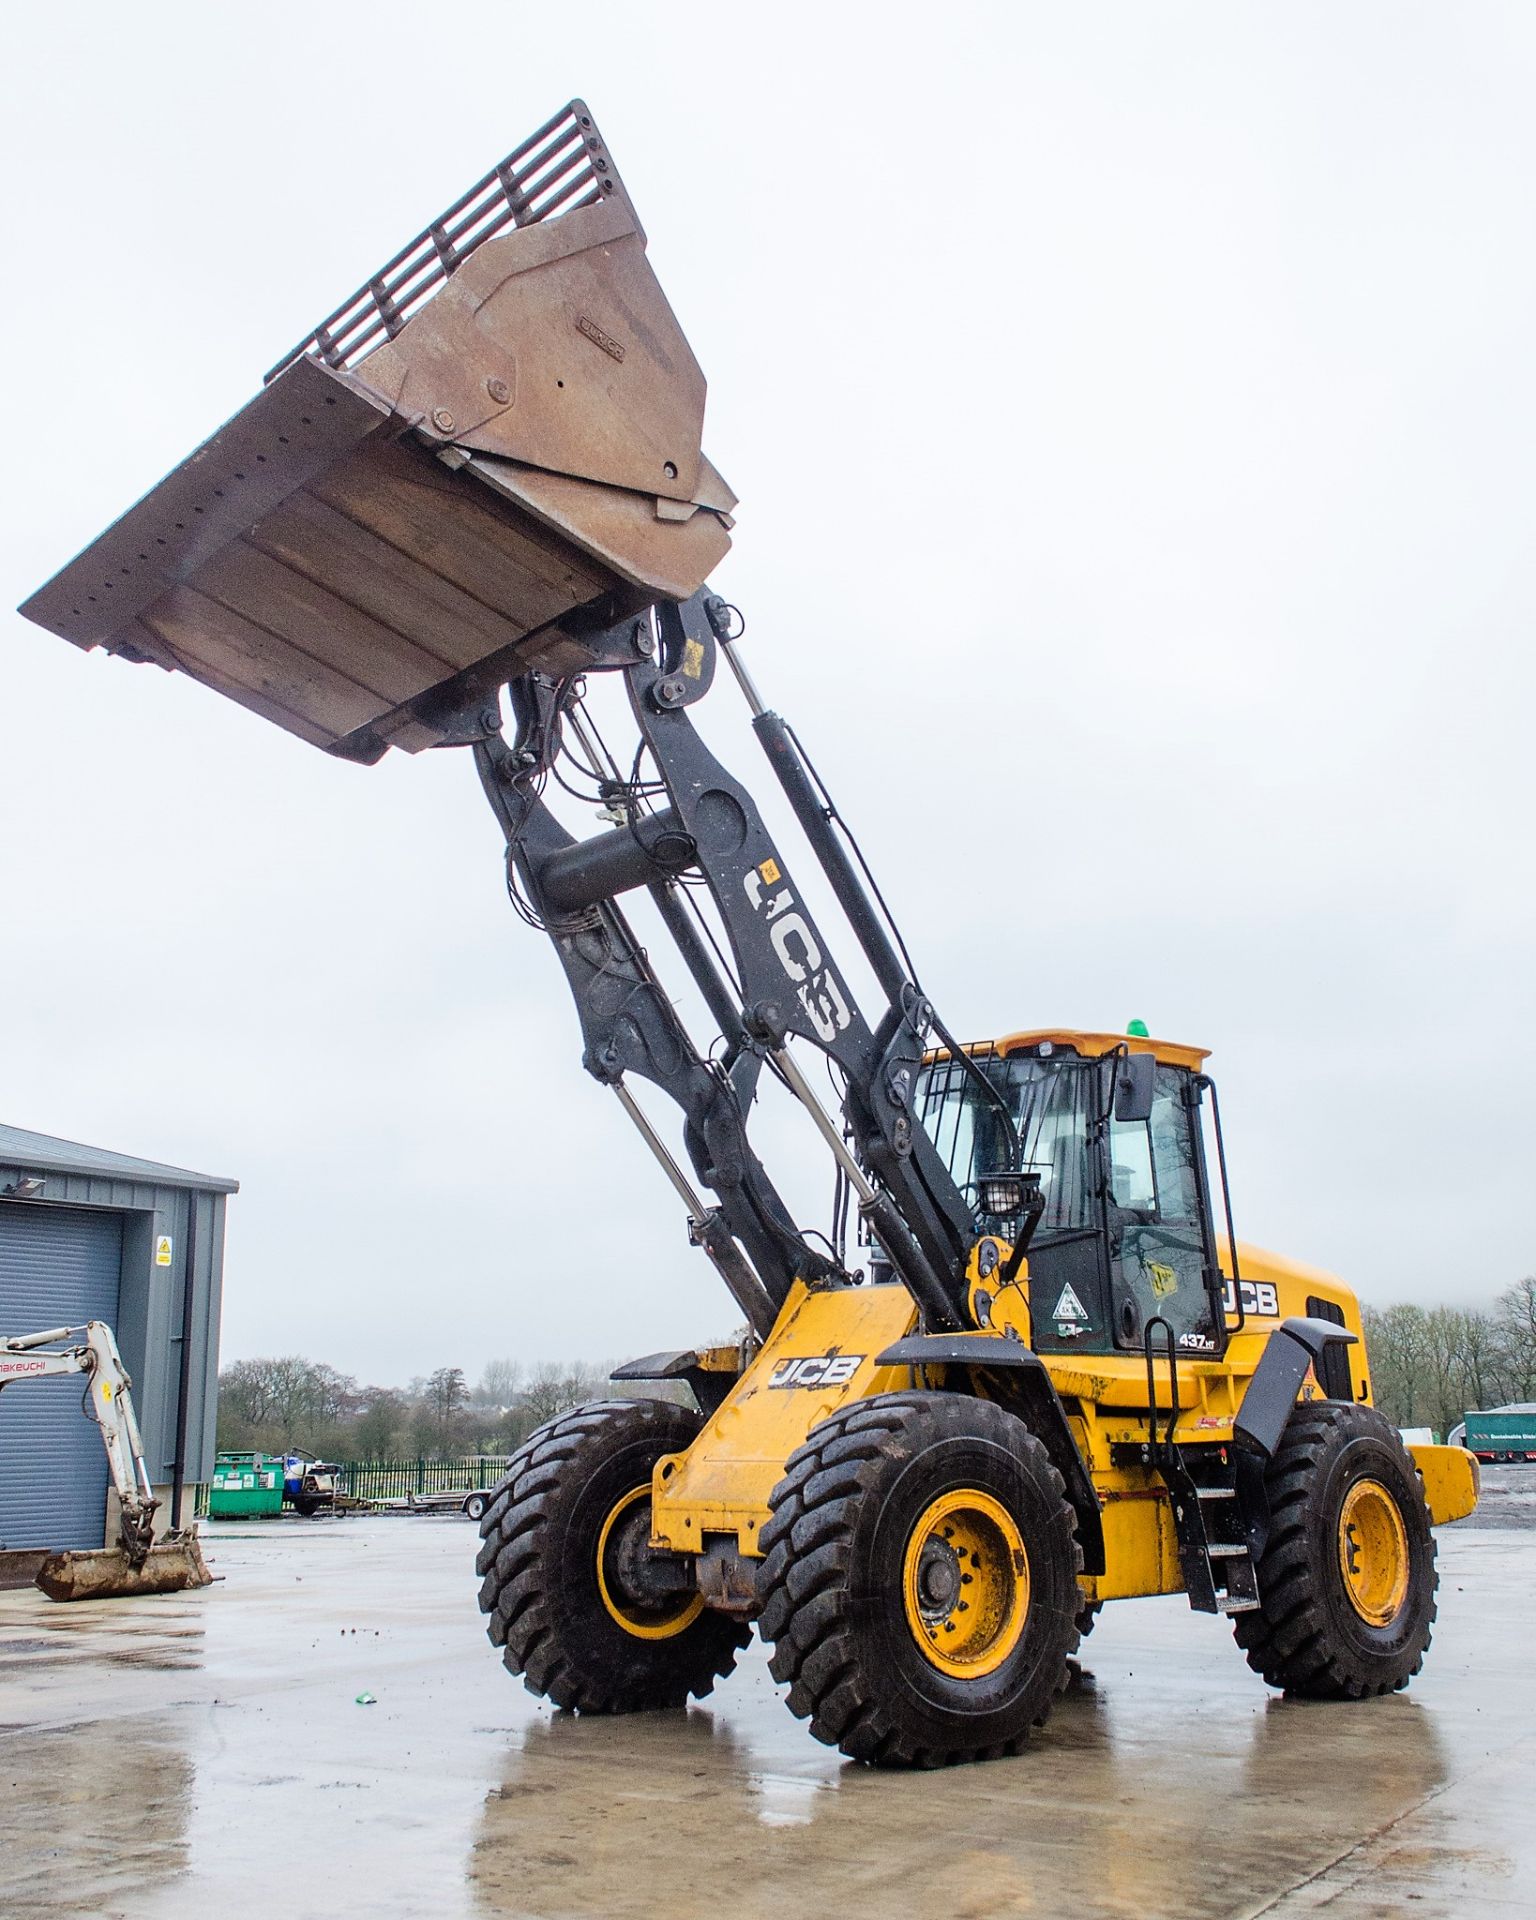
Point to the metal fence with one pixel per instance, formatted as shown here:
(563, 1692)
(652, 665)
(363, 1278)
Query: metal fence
(395, 1479)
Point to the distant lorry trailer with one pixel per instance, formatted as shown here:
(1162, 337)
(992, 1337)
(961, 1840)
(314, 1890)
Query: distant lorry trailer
(1501, 1433)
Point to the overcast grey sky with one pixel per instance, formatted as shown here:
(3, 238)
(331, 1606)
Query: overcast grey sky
(1133, 411)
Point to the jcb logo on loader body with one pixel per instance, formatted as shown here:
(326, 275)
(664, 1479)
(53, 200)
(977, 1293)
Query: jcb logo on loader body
(1259, 1297)
(816, 986)
(817, 1370)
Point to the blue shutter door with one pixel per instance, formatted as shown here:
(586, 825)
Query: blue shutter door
(59, 1267)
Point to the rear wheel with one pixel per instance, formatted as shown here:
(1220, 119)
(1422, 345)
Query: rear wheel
(919, 1583)
(1347, 1580)
(577, 1603)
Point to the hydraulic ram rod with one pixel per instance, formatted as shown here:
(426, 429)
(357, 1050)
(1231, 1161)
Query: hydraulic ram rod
(816, 823)
(705, 1225)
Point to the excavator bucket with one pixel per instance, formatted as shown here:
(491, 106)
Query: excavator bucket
(110, 1573)
(493, 442)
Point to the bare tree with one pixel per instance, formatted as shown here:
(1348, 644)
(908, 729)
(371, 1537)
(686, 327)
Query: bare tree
(1516, 1315)
(445, 1394)
(499, 1383)
(1397, 1344)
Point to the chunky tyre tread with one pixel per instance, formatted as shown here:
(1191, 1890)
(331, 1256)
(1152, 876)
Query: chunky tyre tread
(804, 1579)
(531, 1618)
(1288, 1639)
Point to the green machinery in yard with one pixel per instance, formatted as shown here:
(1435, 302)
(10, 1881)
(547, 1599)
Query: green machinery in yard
(245, 1485)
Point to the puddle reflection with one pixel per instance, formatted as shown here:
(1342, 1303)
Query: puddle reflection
(1114, 1803)
(102, 1808)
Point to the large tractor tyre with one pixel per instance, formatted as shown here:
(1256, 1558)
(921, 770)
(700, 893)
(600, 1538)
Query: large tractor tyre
(919, 1580)
(564, 1535)
(1347, 1580)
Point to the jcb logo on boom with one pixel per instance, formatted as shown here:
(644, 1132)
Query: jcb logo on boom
(817, 1370)
(816, 986)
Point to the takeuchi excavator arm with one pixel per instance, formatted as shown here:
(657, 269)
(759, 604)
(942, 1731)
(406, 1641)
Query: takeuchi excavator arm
(137, 1564)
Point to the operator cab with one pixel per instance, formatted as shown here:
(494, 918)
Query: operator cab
(1126, 1233)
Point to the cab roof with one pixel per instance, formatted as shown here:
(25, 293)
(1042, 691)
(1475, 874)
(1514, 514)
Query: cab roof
(1168, 1052)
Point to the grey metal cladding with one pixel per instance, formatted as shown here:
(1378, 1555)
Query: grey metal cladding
(141, 1202)
(58, 1266)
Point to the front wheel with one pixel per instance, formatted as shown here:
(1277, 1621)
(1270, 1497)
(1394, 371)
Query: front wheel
(1347, 1580)
(919, 1583)
(577, 1604)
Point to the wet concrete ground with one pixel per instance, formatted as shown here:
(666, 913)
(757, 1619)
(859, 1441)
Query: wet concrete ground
(205, 1755)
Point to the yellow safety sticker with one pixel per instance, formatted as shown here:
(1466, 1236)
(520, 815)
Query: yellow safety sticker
(769, 873)
(163, 1250)
(693, 659)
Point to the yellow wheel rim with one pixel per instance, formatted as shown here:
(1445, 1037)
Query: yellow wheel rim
(965, 1583)
(650, 1624)
(1373, 1553)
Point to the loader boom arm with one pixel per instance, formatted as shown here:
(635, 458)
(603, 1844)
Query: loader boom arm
(778, 981)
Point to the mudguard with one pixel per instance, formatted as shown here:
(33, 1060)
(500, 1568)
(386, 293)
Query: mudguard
(1271, 1395)
(1021, 1383)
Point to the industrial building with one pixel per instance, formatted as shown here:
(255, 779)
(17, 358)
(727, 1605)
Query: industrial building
(91, 1235)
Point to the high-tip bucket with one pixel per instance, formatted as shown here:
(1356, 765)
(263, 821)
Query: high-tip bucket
(497, 437)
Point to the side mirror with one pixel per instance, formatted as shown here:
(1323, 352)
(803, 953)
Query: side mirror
(1135, 1083)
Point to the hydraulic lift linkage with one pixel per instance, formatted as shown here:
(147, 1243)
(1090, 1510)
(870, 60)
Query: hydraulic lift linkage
(786, 981)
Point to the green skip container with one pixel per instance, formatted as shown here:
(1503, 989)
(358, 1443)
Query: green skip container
(245, 1484)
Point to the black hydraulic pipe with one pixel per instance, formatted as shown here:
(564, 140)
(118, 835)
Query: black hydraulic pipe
(843, 876)
(724, 1009)
(651, 847)
(718, 994)
(939, 1312)
(749, 1293)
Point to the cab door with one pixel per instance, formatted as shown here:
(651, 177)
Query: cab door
(1157, 1234)
(1071, 1299)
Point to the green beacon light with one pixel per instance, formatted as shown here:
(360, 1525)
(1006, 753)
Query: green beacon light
(1137, 1030)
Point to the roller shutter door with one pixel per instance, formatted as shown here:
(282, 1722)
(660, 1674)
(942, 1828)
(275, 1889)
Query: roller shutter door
(59, 1266)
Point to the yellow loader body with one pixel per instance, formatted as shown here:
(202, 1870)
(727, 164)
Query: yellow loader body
(823, 1355)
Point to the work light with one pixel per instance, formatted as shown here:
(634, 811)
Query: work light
(1004, 1193)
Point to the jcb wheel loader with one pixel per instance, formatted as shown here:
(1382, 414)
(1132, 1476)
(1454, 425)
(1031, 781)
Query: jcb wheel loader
(1056, 1379)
